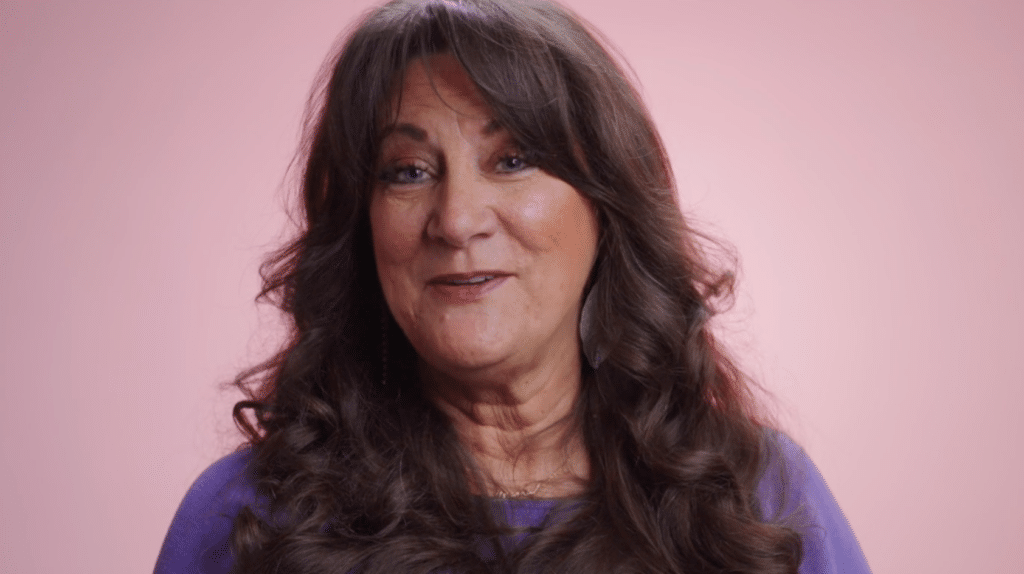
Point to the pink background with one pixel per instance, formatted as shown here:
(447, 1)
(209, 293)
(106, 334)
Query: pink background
(866, 159)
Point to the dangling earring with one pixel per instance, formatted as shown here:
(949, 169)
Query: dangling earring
(592, 349)
(383, 344)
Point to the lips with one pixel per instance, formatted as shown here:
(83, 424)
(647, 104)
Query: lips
(475, 278)
(466, 287)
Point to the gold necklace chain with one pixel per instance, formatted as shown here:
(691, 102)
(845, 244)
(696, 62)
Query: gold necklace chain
(530, 491)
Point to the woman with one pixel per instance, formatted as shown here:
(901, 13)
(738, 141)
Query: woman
(500, 357)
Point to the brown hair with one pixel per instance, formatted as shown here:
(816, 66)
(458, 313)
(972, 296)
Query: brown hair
(676, 452)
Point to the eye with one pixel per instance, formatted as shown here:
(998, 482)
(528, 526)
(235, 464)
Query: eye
(513, 162)
(404, 174)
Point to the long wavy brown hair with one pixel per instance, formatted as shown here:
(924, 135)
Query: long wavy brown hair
(358, 472)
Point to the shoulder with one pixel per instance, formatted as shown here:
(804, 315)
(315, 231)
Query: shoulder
(198, 540)
(793, 493)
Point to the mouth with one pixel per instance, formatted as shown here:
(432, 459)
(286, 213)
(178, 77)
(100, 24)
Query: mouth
(462, 288)
(467, 279)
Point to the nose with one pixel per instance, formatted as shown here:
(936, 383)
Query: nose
(464, 209)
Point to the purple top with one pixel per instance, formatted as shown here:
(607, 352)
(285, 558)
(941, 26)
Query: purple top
(791, 491)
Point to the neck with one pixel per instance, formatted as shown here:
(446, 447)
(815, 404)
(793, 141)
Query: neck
(523, 434)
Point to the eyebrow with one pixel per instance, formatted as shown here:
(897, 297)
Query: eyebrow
(419, 134)
(415, 132)
(492, 126)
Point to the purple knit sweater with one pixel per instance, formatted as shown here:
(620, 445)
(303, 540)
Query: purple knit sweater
(791, 490)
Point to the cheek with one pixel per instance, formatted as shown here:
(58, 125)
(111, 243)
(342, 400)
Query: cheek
(392, 250)
(562, 221)
(391, 230)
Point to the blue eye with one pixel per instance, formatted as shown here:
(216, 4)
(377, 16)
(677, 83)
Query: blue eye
(512, 163)
(403, 174)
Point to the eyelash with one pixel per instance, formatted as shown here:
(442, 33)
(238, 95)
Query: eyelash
(391, 174)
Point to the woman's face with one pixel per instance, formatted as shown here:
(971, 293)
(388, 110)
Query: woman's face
(482, 256)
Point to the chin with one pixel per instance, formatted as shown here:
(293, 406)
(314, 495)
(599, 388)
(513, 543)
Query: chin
(465, 356)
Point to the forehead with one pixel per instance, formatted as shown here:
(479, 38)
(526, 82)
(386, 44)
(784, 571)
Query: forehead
(437, 83)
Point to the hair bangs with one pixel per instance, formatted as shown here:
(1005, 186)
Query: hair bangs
(512, 54)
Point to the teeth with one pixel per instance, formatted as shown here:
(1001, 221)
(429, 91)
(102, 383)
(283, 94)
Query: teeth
(473, 281)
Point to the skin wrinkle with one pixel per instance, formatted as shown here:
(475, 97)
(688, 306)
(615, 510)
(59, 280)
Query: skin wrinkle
(505, 368)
